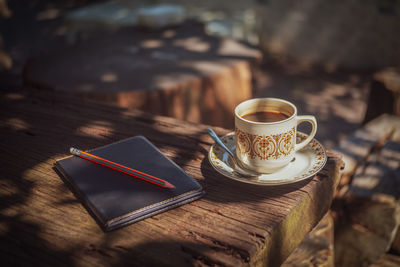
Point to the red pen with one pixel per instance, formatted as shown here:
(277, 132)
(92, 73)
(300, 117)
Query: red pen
(132, 172)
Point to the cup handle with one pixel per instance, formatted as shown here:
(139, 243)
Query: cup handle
(313, 121)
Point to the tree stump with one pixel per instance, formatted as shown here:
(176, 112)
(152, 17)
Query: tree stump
(179, 72)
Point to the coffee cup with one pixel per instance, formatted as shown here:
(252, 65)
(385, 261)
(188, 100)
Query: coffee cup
(265, 131)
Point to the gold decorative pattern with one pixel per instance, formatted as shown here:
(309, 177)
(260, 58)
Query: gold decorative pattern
(265, 147)
(286, 143)
(314, 151)
(244, 141)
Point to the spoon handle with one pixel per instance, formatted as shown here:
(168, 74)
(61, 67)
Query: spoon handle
(238, 166)
(219, 142)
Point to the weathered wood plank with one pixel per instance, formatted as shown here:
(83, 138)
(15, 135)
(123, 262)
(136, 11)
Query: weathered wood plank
(317, 247)
(387, 260)
(368, 205)
(233, 225)
(364, 142)
(365, 231)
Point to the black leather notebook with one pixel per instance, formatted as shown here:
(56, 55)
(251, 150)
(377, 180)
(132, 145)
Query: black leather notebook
(116, 199)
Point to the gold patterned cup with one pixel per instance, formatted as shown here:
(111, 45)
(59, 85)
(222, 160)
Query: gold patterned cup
(266, 147)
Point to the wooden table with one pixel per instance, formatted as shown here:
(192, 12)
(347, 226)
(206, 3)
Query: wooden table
(234, 224)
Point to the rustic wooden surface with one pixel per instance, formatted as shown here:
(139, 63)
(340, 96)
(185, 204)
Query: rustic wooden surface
(317, 247)
(396, 242)
(367, 205)
(387, 260)
(234, 224)
(179, 72)
(365, 142)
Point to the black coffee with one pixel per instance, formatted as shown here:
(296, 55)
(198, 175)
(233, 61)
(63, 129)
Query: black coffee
(265, 116)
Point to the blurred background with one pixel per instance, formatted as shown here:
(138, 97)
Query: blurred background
(196, 60)
(320, 55)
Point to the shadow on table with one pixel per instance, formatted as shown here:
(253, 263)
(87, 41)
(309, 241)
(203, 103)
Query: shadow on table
(227, 190)
(38, 128)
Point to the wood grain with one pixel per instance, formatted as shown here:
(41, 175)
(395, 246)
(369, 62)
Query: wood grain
(235, 224)
(317, 248)
(367, 207)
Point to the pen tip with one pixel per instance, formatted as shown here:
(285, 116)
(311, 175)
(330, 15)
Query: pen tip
(168, 185)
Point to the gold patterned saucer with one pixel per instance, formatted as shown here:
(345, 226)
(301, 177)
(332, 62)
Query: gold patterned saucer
(308, 161)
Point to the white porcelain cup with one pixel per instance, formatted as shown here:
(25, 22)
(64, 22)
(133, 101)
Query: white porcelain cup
(266, 147)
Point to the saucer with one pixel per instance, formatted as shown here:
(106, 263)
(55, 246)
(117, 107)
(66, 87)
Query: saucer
(308, 161)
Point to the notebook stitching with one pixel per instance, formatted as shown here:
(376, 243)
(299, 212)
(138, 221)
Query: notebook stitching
(151, 214)
(147, 207)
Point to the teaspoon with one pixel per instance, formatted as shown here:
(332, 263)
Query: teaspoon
(238, 166)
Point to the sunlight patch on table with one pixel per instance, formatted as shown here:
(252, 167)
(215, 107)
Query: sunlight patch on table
(14, 96)
(17, 124)
(109, 77)
(95, 129)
